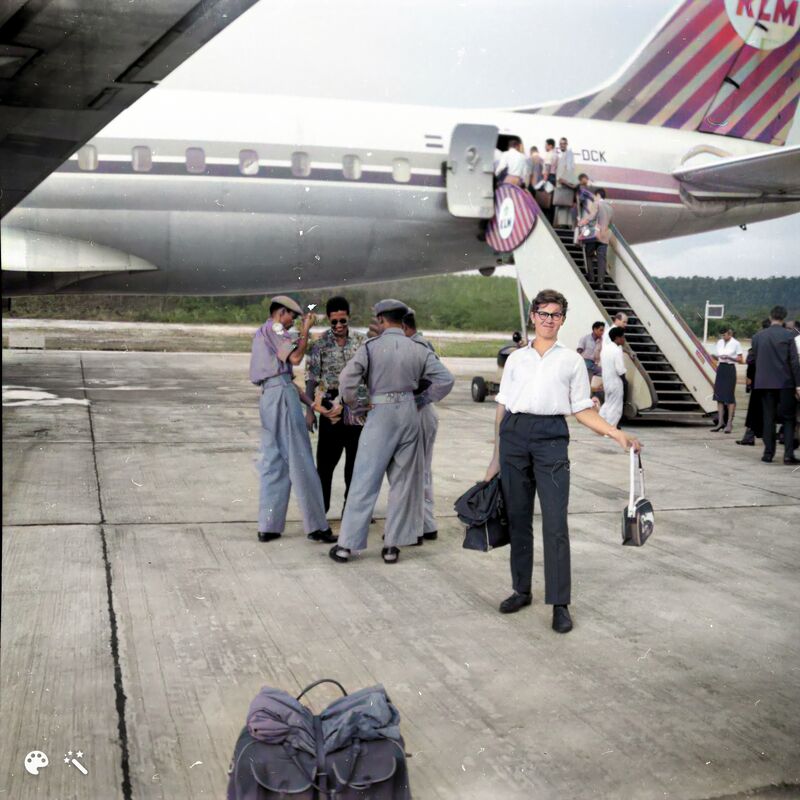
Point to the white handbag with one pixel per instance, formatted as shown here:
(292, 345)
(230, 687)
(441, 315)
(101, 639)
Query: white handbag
(638, 518)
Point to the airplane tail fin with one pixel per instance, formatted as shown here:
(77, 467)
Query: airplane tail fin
(728, 67)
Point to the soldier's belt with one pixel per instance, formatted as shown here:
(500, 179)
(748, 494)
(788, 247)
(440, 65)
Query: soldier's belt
(276, 380)
(391, 397)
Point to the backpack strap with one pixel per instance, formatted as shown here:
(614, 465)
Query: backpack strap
(317, 683)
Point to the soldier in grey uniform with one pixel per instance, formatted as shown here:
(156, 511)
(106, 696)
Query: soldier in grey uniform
(429, 422)
(286, 459)
(396, 370)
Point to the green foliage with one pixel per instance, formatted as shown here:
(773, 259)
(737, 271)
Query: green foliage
(445, 302)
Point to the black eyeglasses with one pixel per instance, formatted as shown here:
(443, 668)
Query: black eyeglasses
(555, 315)
(335, 322)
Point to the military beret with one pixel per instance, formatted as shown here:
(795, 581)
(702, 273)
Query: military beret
(389, 305)
(287, 302)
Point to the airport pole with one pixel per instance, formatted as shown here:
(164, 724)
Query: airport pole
(522, 318)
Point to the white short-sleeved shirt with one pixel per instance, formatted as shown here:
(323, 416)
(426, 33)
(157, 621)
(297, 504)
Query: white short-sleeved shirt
(555, 383)
(514, 162)
(731, 349)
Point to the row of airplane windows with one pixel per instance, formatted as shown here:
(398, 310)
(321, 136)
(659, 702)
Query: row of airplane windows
(195, 160)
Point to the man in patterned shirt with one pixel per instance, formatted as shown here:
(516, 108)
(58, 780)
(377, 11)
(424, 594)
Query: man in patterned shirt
(327, 358)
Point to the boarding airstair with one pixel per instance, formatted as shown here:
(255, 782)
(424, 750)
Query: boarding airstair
(669, 372)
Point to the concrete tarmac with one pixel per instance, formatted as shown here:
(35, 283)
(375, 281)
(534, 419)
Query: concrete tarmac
(140, 615)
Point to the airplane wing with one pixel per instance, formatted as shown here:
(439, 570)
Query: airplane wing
(66, 72)
(775, 174)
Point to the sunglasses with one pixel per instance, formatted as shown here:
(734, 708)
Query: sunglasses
(555, 315)
(336, 322)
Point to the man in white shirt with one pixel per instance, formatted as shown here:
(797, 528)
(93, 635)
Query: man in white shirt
(612, 363)
(541, 385)
(513, 163)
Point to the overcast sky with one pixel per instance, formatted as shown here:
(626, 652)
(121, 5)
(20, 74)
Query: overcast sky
(473, 53)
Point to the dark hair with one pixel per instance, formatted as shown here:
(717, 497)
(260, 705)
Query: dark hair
(534, 149)
(598, 324)
(396, 315)
(765, 323)
(600, 192)
(337, 303)
(583, 175)
(550, 141)
(549, 296)
(514, 140)
(273, 307)
(615, 333)
(725, 329)
(410, 320)
(778, 313)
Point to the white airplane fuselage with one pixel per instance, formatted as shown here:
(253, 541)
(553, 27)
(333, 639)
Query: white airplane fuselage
(342, 193)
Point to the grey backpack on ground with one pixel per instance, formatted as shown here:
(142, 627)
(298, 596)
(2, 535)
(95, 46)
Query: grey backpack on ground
(353, 750)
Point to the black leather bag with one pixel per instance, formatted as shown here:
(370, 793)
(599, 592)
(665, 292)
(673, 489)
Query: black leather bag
(482, 511)
(638, 518)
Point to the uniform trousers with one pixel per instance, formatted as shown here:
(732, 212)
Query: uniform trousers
(335, 438)
(779, 406)
(429, 422)
(286, 461)
(533, 458)
(390, 444)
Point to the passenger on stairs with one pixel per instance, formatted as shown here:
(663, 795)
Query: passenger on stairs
(549, 165)
(613, 365)
(566, 182)
(536, 170)
(597, 222)
(513, 163)
(729, 353)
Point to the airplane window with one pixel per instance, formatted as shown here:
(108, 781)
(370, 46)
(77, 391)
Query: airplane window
(248, 162)
(87, 157)
(401, 170)
(141, 159)
(195, 160)
(351, 167)
(301, 165)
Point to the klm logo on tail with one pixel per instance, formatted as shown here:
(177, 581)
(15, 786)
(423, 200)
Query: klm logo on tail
(728, 67)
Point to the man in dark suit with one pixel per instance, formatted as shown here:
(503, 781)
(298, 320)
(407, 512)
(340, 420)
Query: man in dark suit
(778, 377)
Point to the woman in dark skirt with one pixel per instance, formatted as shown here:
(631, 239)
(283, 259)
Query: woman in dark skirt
(729, 353)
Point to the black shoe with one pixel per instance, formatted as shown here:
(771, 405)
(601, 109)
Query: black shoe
(390, 555)
(515, 602)
(766, 459)
(418, 543)
(339, 554)
(431, 535)
(746, 441)
(791, 460)
(562, 621)
(322, 536)
(267, 537)
(718, 428)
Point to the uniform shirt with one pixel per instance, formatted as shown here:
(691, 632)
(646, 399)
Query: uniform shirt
(423, 399)
(612, 361)
(552, 384)
(776, 359)
(731, 349)
(514, 162)
(392, 362)
(269, 356)
(589, 346)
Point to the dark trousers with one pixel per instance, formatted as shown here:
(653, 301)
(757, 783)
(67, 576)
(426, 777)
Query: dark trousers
(596, 253)
(333, 439)
(779, 406)
(533, 457)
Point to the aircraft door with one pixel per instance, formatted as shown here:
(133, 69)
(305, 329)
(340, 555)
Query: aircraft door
(470, 171)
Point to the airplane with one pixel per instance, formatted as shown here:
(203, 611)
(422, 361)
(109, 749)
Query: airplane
(204, 193)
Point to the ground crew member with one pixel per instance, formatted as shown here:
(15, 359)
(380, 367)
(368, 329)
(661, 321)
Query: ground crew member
(395, 369)
(326, 359)
(286, 459)
(429, 424)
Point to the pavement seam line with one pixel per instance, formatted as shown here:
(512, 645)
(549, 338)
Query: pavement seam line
(119, 691)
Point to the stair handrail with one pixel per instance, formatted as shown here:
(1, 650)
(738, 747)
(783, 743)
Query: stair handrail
(621, 245)
(601, 309)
